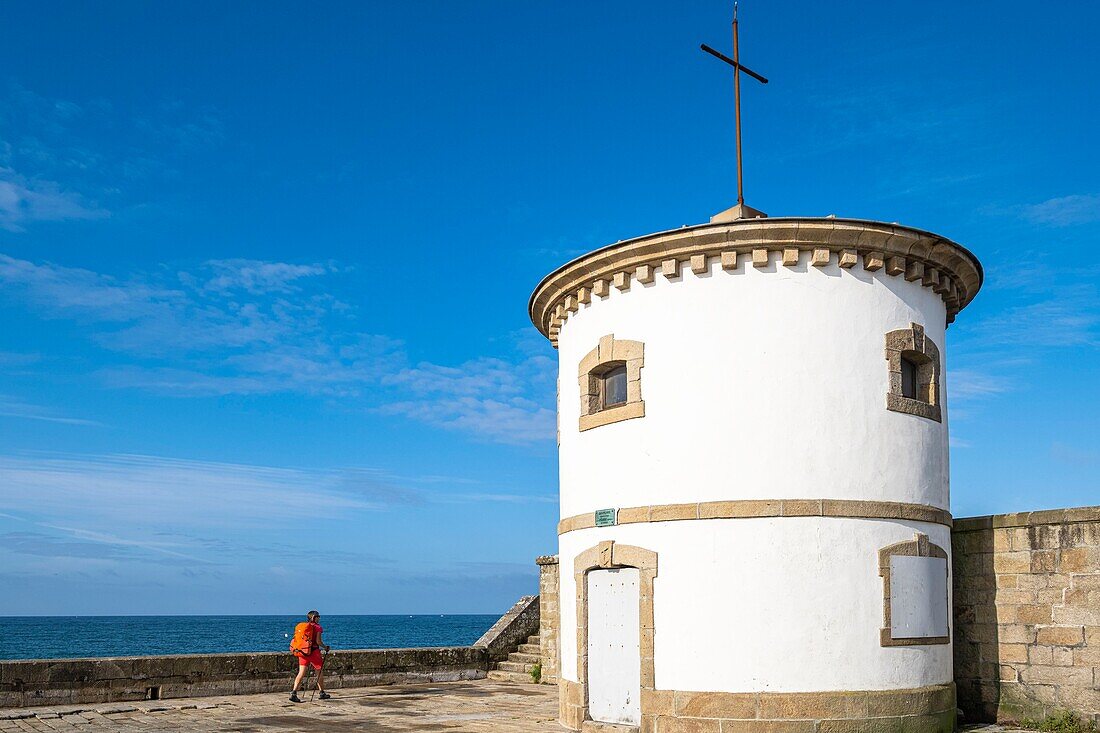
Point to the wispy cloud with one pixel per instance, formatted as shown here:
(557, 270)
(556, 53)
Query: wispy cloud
(164, 494)
(251, 327)
(969, 384)
(488, 398)
(1069, 317)
(11, 407)
(1064, 211)
(23, 201)
(63, 160)
(147, 491)
(257, 277)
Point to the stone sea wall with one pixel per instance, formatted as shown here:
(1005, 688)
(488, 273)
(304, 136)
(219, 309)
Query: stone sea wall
(65, 681)
(1027, 614)
(31, 682)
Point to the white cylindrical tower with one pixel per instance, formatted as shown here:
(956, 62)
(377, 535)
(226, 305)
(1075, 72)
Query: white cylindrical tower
(754, 475)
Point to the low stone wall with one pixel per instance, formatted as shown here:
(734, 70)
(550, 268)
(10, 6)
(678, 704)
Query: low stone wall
(30, 682)
(65, 681)
(1027, 614)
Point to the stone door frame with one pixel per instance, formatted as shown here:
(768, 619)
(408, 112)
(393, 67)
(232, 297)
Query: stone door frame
(606, 556)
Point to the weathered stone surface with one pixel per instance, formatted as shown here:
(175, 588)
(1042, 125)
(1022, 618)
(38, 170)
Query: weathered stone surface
(481, 706)
(1031, 647)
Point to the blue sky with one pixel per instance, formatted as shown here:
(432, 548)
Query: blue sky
(264, 269)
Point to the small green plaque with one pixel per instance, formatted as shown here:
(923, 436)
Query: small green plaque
(605, 518)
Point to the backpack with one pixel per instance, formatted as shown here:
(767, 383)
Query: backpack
(302, 643)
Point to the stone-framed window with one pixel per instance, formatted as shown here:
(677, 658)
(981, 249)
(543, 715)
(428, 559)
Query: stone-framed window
(914, 593)
(914, 370)
(610, 379)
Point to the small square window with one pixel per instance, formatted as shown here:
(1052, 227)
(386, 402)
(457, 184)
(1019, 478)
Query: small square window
(609, 377)
(613, 387)
(908, 378)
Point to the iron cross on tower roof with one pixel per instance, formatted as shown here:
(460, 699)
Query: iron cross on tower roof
(740, 211)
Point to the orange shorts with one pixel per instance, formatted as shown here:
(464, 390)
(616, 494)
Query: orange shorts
(314, 659)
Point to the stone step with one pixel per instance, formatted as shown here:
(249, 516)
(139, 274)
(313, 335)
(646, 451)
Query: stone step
(534, 639)
(514, 667)
(517, 677)
(530, 649)
(524, 658)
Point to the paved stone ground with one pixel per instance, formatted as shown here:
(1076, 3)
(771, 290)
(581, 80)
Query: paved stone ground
(477, 707)
(482, 706)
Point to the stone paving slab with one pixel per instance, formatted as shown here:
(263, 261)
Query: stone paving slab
(476, 707)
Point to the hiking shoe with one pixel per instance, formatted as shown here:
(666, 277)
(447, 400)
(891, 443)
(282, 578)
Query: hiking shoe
(324, 695)
(294, 697)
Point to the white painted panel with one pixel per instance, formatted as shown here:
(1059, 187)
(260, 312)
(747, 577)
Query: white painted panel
(614, 655)
(918, 597)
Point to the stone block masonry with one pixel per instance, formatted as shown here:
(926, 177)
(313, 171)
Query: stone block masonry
(1027, 614)
(511, 629)
(550, 611)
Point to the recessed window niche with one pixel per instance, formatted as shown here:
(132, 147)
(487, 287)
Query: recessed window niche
(610, 379)
(913, 365)
(914, 593)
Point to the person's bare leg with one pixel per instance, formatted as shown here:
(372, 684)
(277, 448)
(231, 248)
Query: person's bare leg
(321, 680)
(301, 674)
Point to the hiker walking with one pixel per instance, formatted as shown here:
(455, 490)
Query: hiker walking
(307, 646)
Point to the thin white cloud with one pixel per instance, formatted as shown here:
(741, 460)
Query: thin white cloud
(1070, 317)
(63, 160)
(167, 494)
(258, 277)
(11, 407)
(968, 384)
(1065, 210)
(23, 201)
(518, 421)
(151, 491)
(249, 327)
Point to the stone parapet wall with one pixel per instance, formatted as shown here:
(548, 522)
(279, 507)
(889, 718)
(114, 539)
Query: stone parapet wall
(512, 629)
(31, 682)
(76, 681)
(550, 618)
(1027, 614)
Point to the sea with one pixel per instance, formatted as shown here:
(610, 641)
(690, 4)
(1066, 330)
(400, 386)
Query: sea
(60, 637)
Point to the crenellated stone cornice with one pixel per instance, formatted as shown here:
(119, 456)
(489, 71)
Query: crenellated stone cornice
(949, 269)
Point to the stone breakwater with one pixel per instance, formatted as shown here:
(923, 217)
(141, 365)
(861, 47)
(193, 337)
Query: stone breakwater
(34, 682)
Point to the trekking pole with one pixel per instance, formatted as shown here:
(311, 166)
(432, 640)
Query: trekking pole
(324, 656)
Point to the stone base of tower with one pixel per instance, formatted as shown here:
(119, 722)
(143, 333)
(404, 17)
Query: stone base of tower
(922, 710)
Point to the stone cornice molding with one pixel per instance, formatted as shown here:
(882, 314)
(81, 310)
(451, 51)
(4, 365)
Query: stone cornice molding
(947, 268)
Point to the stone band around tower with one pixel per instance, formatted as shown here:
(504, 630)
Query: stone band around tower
(765, 508)
(949, 269)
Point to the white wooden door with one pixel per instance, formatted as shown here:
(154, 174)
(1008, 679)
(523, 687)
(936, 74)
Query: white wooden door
(614, 654)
